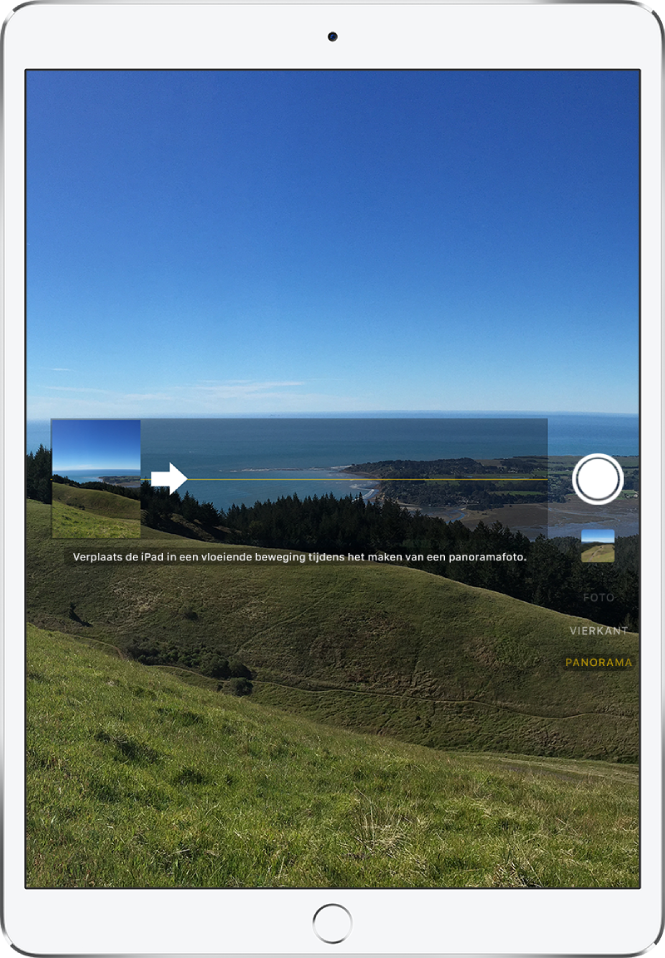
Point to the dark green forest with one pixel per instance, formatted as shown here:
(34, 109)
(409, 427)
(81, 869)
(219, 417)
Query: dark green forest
(551, 575)
(38, 475)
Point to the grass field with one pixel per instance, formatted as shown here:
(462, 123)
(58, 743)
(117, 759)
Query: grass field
(381, 649)
(599, 552)
(136, 779)
(99, 501)
(69, 522)
(93, 514)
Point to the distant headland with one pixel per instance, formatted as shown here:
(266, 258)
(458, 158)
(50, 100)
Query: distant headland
(128, 482)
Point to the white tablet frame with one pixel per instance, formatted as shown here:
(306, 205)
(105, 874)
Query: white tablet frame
(375, 35)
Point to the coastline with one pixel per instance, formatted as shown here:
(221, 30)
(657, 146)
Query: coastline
(125, 482)
(558, 518)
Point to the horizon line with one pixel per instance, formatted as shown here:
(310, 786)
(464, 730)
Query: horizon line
(340, 414)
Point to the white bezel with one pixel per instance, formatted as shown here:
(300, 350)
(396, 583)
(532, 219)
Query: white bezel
(376, 35)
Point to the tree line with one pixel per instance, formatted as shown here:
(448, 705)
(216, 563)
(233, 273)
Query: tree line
(552, 575)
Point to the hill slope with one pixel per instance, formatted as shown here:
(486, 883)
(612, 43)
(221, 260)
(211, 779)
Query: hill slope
(136, 780)
(378, 648)
(93, 513)
(98, 501)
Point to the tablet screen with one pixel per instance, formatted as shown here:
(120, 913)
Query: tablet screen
(332, 518)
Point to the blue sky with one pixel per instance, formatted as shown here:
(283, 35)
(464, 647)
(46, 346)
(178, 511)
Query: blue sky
(598, 535)
(95, 444)
(220, 243)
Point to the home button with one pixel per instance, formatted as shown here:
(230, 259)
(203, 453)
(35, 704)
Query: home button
(332, 923)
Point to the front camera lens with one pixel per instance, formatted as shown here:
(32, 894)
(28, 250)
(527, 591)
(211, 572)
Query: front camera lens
(332, 36)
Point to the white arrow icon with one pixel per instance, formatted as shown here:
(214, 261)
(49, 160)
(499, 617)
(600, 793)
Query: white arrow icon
(173, 478)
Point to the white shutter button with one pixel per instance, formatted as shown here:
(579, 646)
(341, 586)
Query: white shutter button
(598, 479)
(332, 924)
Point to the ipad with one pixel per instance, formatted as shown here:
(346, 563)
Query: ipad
(333, 478)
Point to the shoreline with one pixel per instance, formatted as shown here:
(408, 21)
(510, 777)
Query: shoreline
(125, 482)
(558, 518)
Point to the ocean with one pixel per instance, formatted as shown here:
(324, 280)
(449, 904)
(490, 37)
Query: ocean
(87, 475)
(244, 460)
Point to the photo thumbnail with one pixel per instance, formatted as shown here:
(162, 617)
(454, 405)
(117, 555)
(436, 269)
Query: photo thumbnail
(597, 545)
(96, 478)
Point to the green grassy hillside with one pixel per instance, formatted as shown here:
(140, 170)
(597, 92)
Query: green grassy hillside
(599, 553)
(92, 513)
(98, 501)
(69, 522)
(383, 649)
(134, 779)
